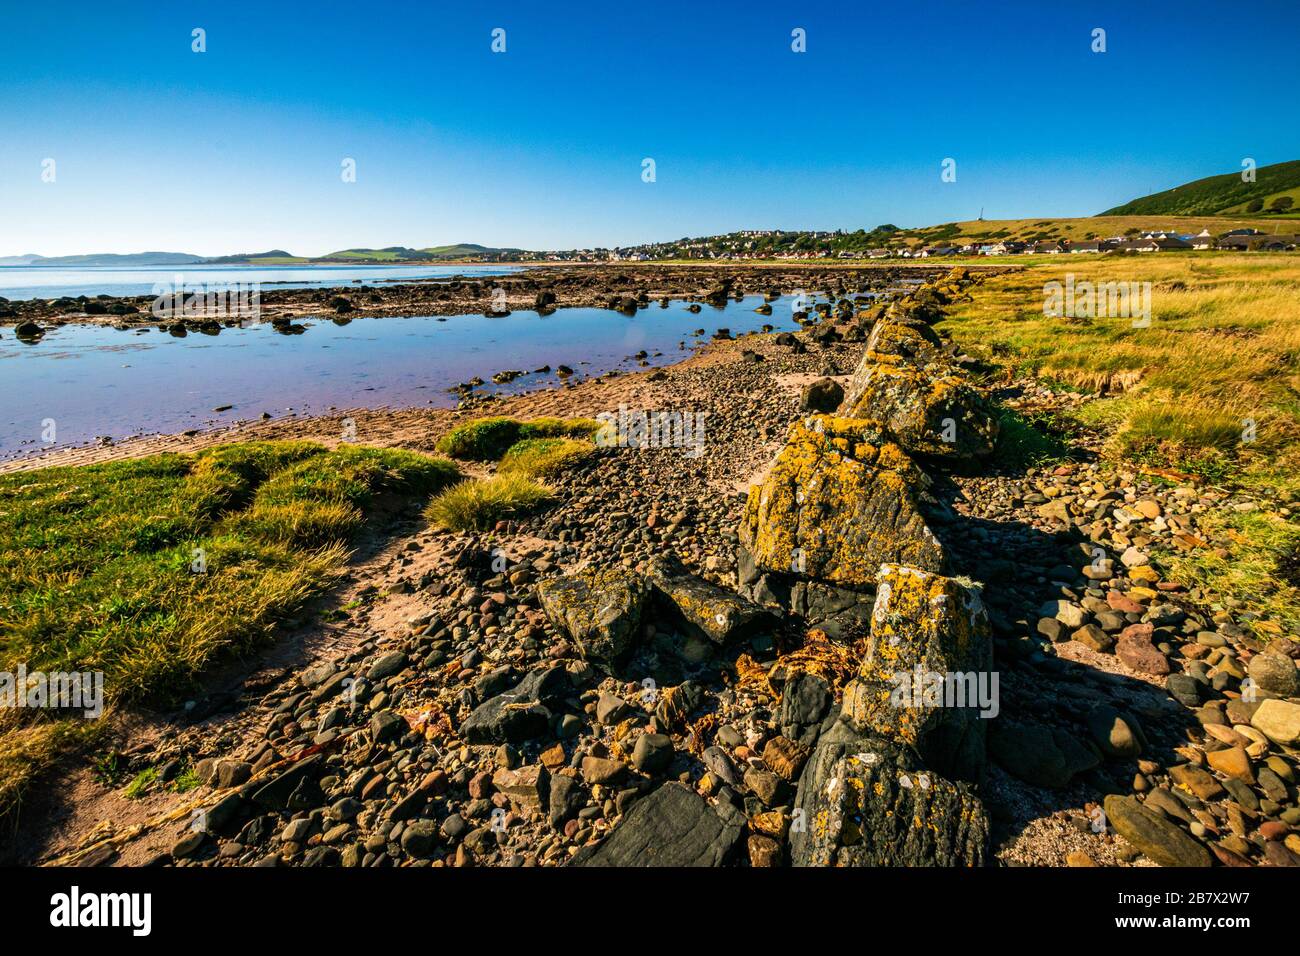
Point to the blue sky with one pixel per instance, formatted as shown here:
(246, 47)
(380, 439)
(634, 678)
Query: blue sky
(239, 148)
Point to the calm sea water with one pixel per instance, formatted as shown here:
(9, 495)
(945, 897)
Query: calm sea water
(92, 380)
(38, 282)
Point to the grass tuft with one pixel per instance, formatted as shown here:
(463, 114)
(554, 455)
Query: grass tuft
(479, 504)
(543, 457)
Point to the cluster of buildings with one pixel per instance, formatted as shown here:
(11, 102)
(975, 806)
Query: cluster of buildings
(1239, 240)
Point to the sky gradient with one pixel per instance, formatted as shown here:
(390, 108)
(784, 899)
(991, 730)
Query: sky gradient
(238, 149)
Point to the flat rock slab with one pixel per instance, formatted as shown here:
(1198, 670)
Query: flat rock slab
(719, 615)
(674, 826)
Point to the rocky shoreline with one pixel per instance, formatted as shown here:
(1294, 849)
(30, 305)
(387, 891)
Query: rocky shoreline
(695, 660)
(622, 287)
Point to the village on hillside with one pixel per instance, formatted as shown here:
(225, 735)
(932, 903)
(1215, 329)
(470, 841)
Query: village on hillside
(1238, 240)
(749, 245)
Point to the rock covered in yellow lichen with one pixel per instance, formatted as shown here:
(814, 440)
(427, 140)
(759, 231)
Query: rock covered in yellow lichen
(928, 409)
(904, 341)
(838, 502)
(927, 678)
(866, 801)
(713, 612)
(599, 609)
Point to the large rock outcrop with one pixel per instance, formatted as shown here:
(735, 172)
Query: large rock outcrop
(929, 410)
(866, 801)
(839, 501)
(927, 680)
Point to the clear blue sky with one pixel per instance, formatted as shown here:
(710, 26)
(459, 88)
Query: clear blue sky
(239, 149)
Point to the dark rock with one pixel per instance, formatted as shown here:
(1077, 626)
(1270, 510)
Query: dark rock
(868, 802)
(673, 826)
(598, 609)
(805, 700)
(1161, 841)
(823, 395)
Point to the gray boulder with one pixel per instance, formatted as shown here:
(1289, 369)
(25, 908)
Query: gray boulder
(598, 609)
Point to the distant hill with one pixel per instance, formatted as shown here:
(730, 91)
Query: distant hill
(462, 250)
(393, 254)
(387, 254)
(278, 255)
(468, 250)
(109, 259)
(1275, 192)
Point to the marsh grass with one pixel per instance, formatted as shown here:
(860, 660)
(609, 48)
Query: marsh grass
(98, 572)
(1222, 353)
(479, 504)
(544, 457)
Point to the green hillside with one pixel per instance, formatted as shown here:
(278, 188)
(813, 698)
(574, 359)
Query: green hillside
(466, 250)
(388, 254)
(461, 250)
(1222, 195)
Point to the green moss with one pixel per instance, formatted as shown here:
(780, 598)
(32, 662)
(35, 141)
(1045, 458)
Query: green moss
(487, 439)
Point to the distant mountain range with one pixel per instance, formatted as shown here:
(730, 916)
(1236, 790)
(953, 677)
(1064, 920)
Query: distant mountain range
(392, 254)
(1217, 203)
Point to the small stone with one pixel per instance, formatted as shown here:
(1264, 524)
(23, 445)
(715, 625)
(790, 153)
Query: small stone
(419, 838)
(600, 770)
(1134, 558)
(1279, 720)
(764, 851)
(1196, 780)
(785, 757)
(652, 753)
(1161, 841)
(1116, 734)
(1071, 615)
(1274, 673)
(1090, 635)
(1232, 762)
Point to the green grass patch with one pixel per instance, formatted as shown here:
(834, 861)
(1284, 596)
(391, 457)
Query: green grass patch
(147, 570)
(141, 783)
(186, 781)
(1028, 441)
(543, 457)
(1261, 568)
(478, 505)
(487, 439)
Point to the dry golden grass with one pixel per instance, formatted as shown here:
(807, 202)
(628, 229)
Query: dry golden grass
(1211, 388)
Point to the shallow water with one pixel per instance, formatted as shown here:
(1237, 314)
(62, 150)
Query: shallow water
(42, 282)
(93, 381)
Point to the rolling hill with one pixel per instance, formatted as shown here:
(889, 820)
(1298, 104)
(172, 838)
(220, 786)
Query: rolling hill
(462, 250)
(1225, 195)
